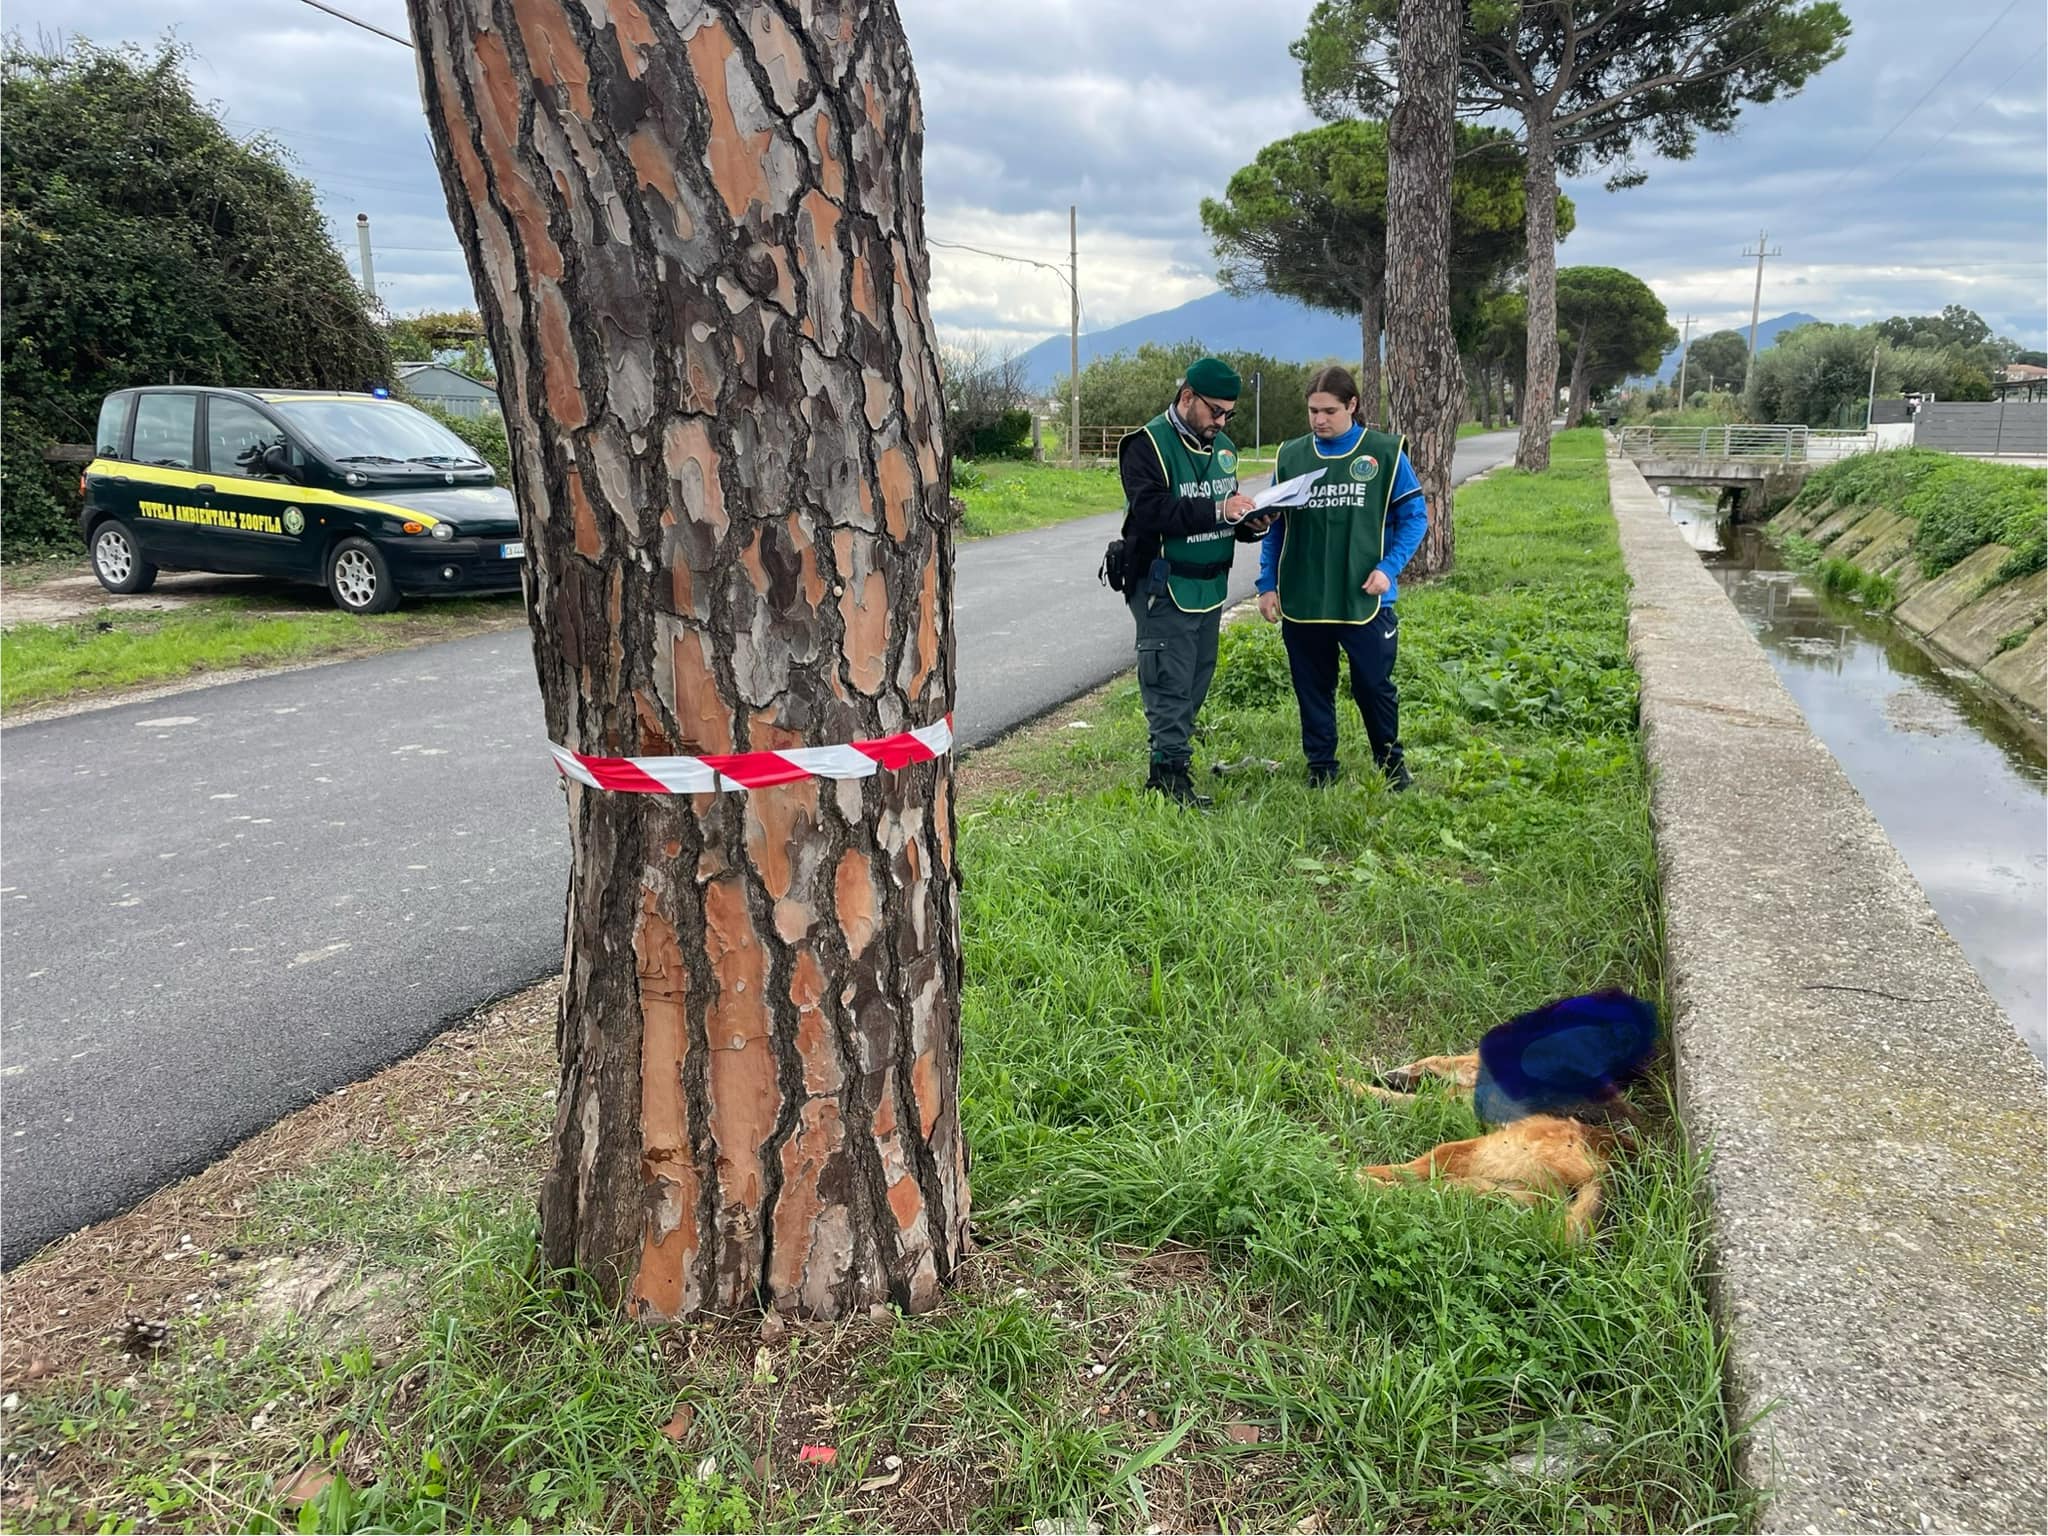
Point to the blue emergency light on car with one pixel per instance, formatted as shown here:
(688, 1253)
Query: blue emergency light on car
(381, 392)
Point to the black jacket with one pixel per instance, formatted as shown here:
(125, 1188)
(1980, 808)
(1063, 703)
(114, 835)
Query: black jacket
(1155, 514)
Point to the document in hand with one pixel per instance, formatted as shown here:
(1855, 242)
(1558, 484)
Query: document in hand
(1288, 493)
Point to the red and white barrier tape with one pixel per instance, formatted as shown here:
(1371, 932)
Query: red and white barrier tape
(755, 770)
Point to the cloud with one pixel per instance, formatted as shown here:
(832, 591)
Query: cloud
(1135, 113)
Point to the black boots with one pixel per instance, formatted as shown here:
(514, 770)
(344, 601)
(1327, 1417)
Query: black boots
(1173, 781)
(1395, 767)
(1391, 764)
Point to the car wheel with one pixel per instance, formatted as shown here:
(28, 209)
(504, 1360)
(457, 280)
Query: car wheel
(117, 559)
(359, 580)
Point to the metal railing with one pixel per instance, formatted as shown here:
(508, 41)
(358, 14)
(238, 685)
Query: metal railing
(1752, 443)
(1100, 442)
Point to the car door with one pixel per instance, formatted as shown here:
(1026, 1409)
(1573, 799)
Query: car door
(264, 530)
(164, 454)
(110, 487)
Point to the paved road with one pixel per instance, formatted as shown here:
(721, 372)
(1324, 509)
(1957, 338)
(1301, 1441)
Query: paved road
(219, 905)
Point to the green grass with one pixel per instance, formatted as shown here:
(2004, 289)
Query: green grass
(1839, 577)
(116, 649)
(1007, 496)
(1158, 1009)
(1958, 505)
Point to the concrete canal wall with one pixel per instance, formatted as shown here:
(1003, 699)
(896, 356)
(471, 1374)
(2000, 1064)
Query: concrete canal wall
(1878, 1133)
(1967, 615)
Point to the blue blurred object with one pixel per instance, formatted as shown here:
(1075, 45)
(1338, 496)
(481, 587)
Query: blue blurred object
(1563, 1056)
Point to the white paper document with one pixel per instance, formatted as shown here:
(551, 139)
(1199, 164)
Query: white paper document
(1288, 493)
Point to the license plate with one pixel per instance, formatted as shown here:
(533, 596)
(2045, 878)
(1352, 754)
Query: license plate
(516, 550)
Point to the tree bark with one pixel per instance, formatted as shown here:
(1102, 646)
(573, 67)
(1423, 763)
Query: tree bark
(696, 235)
(1428, 383)
(1538, 398)
(1578, 402)
(1371, 388)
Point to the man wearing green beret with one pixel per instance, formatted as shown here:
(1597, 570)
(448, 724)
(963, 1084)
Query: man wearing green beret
(1183, 519)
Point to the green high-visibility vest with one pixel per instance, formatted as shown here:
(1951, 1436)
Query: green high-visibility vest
(1197, 567)
(1331, 545)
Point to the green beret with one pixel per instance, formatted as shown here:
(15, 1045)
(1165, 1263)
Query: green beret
(1215, 378)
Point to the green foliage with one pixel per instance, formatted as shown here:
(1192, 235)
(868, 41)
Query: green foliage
(1955, 326)
(1970, 504)
(1812, 374)
(1726, 54)
(1844, 578)
(451, 336)
(1957, 505)
(1610, 326)
(1720, 356)
(1127, 389)
(1821, 374)
(1308, 216)
(145, 244)
(1007, 437)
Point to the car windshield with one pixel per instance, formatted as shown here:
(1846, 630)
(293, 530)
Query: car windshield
(377, 432)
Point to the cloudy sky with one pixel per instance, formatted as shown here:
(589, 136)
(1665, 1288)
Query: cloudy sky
(1912, 174)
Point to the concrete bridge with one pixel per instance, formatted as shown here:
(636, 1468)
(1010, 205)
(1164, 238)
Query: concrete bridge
(1736, 456)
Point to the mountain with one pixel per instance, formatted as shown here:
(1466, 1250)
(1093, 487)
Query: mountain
(1767, 331)
(1263, 322)
(1268, 323)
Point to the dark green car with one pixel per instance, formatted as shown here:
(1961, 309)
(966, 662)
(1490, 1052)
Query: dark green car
(361, 494)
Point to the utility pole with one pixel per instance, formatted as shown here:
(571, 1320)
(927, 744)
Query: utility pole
(363, 245)
(1074, 335)
(1684, 347)
(1870, 408)
(1757, 300)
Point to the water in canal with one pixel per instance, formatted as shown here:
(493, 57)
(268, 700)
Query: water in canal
(1958, 789)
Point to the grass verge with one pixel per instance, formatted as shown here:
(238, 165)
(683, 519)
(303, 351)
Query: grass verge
(1009, 496)
(1187, 1314)
(112, 650)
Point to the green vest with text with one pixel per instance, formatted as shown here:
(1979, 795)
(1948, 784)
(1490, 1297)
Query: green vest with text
(1329, 546)
(1197, 567)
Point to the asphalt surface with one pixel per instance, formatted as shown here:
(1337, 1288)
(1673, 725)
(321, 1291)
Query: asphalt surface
(215, 907)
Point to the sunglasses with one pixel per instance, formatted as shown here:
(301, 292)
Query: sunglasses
(1220, 412)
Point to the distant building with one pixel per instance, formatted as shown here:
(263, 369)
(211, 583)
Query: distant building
(454, 392)
(2020, 381)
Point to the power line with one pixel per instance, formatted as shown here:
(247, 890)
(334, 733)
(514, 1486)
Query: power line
(954, 245)
(403, 42)
(1925, 97)
(1722, 301)
(1961, 119)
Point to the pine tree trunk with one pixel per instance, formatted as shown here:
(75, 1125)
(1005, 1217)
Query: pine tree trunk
(1579, 402)
(1490, 386)
(1538, 398)
(700, 256)
(1371, 387)
(1422, 350)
